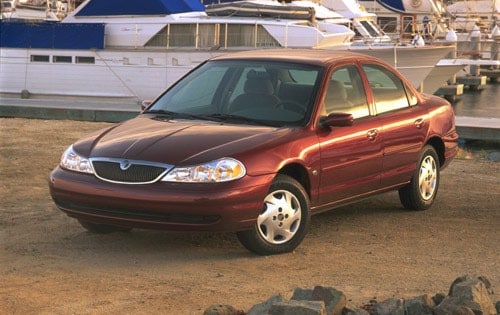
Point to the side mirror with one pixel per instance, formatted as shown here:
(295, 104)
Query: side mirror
(337, 120)
(145, 104)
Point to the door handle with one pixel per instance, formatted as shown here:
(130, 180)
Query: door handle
(372, 134)
(419, 123)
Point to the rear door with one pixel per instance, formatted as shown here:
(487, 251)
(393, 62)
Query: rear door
(403, 124)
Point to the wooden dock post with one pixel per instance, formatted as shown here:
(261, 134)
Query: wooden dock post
(475, 39)
(474, 79)
(451, 90)
(493, 72)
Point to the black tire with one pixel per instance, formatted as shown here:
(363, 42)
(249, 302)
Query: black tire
(421, 192)
(283, 222)
(103, 228)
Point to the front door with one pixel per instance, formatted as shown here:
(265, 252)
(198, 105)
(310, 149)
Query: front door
(350, 156)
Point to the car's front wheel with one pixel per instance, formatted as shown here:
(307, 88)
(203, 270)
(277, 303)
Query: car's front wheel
(283, 221)
(420, 193)
(102, 228)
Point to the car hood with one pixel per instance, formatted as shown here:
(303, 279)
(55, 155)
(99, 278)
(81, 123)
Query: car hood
(176, 142)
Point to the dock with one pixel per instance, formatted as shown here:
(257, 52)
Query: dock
(71, 108)
(478, 128)
(470, 126)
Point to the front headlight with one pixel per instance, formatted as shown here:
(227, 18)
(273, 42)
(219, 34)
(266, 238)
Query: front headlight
(73, 162)
(222, 170)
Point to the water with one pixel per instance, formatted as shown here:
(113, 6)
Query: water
(485, 103)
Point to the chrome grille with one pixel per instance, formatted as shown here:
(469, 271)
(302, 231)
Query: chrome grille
(128, 171)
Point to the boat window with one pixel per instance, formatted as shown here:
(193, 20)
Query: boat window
(182, 35)
(81, 59)
(62, 59)
(244, 35)
(40, 58)
(160, 39)
(213, 35)
(388, 90)
(370, 28)
(408, 25)
(388, 24)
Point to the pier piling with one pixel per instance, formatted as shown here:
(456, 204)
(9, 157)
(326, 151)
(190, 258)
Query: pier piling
(493, 72)
(474, 80)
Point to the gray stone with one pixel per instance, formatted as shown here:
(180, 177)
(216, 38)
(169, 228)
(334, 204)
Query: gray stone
(263, 308)
(302, 294)
(334, 300)
(494, 156)
(294, 307)
(421, 305)
(221, 310)
(351, 310)
(389, 307)
(438, 298)
(473, 292)
(497, 307)
(451, 306)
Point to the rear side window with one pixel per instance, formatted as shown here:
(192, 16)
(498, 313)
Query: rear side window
(388, 90)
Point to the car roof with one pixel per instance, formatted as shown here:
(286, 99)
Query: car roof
(309, 56)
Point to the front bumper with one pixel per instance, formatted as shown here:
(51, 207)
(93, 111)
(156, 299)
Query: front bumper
(211, 207)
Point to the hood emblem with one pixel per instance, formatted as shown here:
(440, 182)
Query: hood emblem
(125, 165)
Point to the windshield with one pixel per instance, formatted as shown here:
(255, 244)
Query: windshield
(269, 93)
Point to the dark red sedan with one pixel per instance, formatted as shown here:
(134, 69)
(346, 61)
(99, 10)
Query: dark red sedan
(256, 142)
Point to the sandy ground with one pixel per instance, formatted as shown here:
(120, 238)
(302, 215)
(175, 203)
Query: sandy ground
(374, 249)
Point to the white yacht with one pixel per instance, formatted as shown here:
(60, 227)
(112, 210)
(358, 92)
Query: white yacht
(135, 49)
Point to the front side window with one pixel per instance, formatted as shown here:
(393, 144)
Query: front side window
(388, 90)
(345, 93)
(264, 92)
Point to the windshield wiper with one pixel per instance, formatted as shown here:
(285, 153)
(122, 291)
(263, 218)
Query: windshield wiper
(176, 114)
(229, 117)
(160, 112)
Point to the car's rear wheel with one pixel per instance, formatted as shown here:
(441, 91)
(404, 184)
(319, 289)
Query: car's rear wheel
(422, 190)
(103, 228)
(283, 222)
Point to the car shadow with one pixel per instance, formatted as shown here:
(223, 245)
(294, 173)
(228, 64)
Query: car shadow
(159, 246)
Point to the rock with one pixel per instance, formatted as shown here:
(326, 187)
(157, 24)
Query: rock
(350, 310)
(471, 292)
(451, 306)
(294, 307)
(222, 310)
(494, 156)
(389, 307)
(263, 308)
(438, 298)
(302, 294)
(468, 295)
(421, 305)
(334, 300)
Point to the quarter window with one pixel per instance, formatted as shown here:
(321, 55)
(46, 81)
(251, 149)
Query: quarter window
(388, 90)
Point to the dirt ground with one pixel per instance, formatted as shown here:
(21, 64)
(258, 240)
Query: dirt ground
(374, 249)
